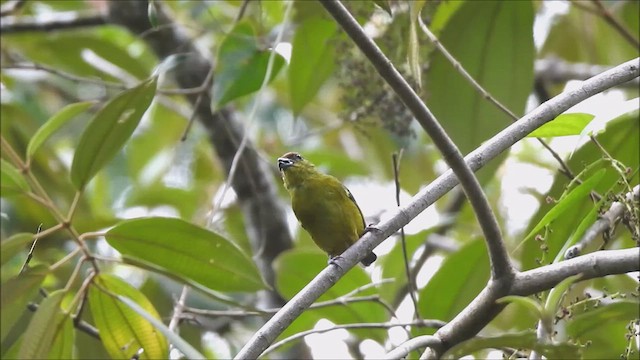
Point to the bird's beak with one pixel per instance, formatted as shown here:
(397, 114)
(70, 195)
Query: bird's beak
(284, 163)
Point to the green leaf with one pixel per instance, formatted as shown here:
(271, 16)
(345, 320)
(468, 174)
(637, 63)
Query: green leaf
(62, 345)
(122, 330)
(312, 60)
(11, 181)
(45, 326)
(604, 328)
(521, 340)
(186, 201)
(461, 277)
(187, 350)
(215, 295)
(241, 66)
(493, 41)
(620, 138)
(54, 124)
(109, 130)
(13, 246)
(526, 302)
(413, 53)
(567, 202)
(16, 294)
(188, 250)
(152, 13)
(555, 295)
(563, 125)
(585, 223)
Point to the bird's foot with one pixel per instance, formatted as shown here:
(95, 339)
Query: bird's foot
(371, 228)
(333, 260)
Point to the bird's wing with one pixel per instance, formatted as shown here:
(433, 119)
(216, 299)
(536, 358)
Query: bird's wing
(350, 196)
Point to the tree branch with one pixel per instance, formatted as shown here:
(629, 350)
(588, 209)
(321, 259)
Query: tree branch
(427, 196)
(484, 308)
(597, 264)
(500, 263)
(557, 71)
(59, 21)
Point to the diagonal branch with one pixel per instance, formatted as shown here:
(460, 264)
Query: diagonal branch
(500, 263)
(425, 198)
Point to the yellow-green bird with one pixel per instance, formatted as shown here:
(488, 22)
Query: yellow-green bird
(325, 208)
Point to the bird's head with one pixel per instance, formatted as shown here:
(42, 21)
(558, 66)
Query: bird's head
(295, 169)
(289, 160)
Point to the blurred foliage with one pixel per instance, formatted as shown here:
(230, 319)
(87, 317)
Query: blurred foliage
(91, 144)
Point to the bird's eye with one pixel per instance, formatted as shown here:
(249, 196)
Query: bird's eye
(297, 156)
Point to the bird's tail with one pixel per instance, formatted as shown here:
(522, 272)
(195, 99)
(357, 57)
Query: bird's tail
(369, 259)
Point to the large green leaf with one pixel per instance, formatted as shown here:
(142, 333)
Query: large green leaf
(109, 130)
(16, 294)
(620, 139)
(188, 250)
(563, 125)
(55, 123)
(461, 277)
(14, 245)
(176, 341)
(11, 181)
(62, 345)
(311, 60)
(46, 327)
(122, 330)
(493, 40)
(241, 66)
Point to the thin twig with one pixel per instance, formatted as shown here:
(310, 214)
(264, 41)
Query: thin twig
(435, 324)
(242, 10)
(30, 254)
(621, 29)
(396, 157)
(99, 82)
(266, 312)
(59, 21)
(205, 85)
(178, 309)
(10, 152)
